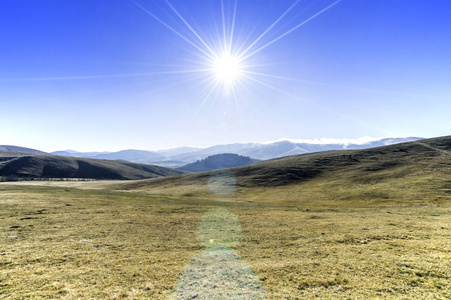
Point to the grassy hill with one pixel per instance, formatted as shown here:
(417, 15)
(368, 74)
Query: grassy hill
(15, 166)
(415, 172)
(8, 150)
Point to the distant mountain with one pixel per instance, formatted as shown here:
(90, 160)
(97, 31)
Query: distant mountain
(177, 151)
(173, 164)
(178, 157)
(287, 148)
(53, 166)
(138, 156)
(18, 150)
(78, 154)
(218, 161)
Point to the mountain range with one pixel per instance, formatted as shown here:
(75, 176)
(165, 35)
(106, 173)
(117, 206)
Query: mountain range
(178, 157)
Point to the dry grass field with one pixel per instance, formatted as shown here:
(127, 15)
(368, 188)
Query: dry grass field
(68, 243)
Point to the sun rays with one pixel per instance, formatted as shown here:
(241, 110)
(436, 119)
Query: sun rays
(224, 56)
(225, 64)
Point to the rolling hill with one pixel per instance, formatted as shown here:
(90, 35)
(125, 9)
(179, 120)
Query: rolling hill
(6, 150)
(415, 172)
(15, 166)
(218, 161)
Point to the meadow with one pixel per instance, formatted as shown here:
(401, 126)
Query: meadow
(88, 242)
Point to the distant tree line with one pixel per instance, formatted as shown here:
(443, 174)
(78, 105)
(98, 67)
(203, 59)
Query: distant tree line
(18, 178)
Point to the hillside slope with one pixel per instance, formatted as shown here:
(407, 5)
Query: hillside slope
(52, 166)
(6, 150)
(414, 172)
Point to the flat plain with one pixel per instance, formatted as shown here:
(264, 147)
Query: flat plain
(69, 243)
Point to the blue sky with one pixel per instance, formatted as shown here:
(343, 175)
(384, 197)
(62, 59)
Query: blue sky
(118, 74)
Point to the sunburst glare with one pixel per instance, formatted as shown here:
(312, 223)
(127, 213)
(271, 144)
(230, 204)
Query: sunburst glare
(226, 58)
(227, 69)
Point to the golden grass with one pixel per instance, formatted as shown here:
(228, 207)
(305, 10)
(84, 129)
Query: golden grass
(68, 243)
(331, 189)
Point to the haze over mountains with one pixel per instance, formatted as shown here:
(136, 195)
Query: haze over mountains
(177, 157)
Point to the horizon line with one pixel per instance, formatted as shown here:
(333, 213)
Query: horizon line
(319, 141)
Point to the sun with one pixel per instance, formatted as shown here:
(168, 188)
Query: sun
(227, 69)
(229, 63)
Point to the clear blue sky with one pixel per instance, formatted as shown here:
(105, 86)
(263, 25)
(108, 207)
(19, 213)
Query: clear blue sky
(117, 74)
